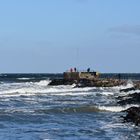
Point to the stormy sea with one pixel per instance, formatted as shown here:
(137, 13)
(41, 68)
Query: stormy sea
(30, 109)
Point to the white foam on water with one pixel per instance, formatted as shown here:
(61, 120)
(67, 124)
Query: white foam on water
(32, 88)
(107, 93)
(72, 93)
(129, 85)
(24, 78)
(43, 83)
(41, 87)
(116, 108)
(129, 92)
(134, 91)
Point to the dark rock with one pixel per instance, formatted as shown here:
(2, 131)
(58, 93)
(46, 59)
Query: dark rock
(136, 84)
(133, 115)
(128, 89)
(129, 99)
(87, 82)
(57, 82)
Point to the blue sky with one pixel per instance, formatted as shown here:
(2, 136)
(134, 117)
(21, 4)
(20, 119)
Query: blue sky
(54, 35)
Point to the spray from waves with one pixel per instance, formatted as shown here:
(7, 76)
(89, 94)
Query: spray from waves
(30, 88)
(129, 84)
(42, 88)
(25, 87)
(43, 83)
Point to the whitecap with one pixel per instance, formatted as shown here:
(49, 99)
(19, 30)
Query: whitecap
(24, 78)
(107, 93)
(116, 108)
(43, 82)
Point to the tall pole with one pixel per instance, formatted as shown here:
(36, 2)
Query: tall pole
(77, 57)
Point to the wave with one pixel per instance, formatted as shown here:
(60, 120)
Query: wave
(80, 109)
(48, 91)
(85, 109)
(129, 84)
(24, 78)
(107, 93)
(33, 92)
(27, 88)
(43, 83)
(41, 88)
(116, 108)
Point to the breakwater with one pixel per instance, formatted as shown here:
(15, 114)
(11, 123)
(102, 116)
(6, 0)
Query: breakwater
(123, 76)
(88, 82)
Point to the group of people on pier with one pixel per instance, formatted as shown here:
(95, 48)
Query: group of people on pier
(73, 70)
(96, 74)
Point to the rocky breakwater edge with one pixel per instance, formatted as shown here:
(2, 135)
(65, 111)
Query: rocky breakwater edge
(88, 82)
(131, 95)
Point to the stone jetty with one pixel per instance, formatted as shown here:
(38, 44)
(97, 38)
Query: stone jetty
(88, 82)
(86, 79)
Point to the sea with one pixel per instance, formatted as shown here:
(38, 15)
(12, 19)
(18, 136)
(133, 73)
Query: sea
(30, 109)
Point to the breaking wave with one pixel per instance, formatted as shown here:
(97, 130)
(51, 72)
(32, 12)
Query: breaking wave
(41, 87)
(104, 98)
(80, 109)
(24, 78)
(116, 108)
(129, 84)
(43, 83)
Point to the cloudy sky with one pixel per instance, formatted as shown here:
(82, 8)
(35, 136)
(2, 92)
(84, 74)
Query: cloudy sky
(50, 36)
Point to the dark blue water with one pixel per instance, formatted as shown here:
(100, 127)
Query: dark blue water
(32, 110)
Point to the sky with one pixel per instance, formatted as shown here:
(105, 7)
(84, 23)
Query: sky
(51, 36)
